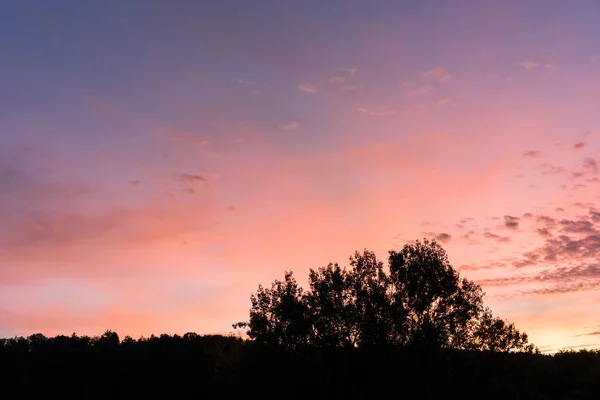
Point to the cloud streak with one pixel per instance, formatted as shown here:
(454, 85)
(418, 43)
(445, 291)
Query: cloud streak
(421, 90)
(307, 88)
(439, 73)
(290, 126)
(377, 112)
(529, 65)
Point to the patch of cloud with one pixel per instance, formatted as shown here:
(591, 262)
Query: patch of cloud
(421, 90)
(593, 333)
(576, 175)
(569, 254)
(188, 190)
(443, 237)
(193, 178)
(586, 206)
(590, 164)
(564, 277)
(462, 222)
(187, 137)
(568, 240)
(440, 237)
(443, 101)
(511, 222)
(549, 169)
(532, 154)
(307, 88)
(350, 71)
(545, 232)
(377, 112)
(337, 79)
(529, 65)
(289, 126)
(498, 238)
(579, 145)
(546, 221)
(582, 346)
(440, 74)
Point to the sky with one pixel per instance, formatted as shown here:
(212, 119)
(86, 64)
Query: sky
(159, 160)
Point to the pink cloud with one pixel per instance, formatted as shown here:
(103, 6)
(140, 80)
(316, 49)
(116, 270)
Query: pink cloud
(307, 88)
(529, 65)
(289, 126)
(421, 90)
(440, 74)
(377, 112)
(337, 79)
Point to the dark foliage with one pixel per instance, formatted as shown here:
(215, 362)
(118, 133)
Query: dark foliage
(418, 300)
(193, 366)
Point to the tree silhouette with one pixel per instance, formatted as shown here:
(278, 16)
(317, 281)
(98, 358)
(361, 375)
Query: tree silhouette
(419, 301)
(279, 314)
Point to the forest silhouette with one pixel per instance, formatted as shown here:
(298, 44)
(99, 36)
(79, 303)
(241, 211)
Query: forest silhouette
(411, 329)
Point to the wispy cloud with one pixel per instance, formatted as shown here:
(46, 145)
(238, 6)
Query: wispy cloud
(549, 169)
(529, 65)
(439, 74)
(590, 164)
(578, 145)
(501, 239)
(443, 237)
(289, 126)
(187, 137)
(532, 154)
(337, 79)
(580, 277)
(594, 333)
(307, 88)
(443, 101)
(377, 112)
(350, 71)
(421, 90)
(440, 237)
(193, 178)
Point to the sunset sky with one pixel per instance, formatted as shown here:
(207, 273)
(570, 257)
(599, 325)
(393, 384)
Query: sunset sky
(160, 159)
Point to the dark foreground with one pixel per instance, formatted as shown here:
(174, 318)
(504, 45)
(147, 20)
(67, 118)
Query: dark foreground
(214, 367)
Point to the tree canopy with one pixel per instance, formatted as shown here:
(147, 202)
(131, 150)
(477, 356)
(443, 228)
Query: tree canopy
(418, 299)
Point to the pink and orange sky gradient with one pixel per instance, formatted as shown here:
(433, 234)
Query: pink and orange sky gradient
(159, 160)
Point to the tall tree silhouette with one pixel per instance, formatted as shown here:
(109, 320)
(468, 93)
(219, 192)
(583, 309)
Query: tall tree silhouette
(418, 300)
(279, 314)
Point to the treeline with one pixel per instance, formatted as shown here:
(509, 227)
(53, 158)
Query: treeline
(194, 366)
